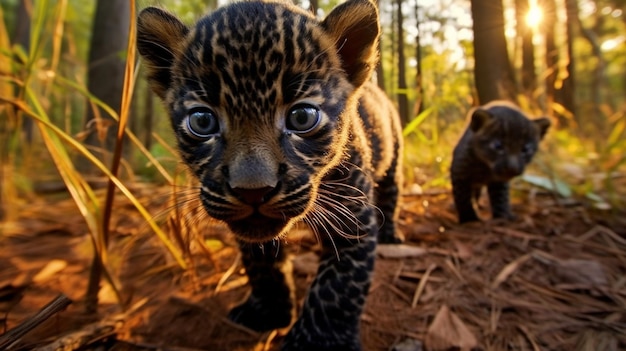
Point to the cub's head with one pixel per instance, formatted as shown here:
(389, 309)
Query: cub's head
(261, 97)
(505, 139)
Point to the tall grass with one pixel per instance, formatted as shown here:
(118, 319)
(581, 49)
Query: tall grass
(28, 78)
(27, 96)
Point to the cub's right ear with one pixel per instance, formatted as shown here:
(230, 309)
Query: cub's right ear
(160, 36)
(479, 118)
(542, 124)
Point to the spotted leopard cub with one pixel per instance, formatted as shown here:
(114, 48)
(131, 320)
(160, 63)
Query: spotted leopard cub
(274, 114)
(497, 145)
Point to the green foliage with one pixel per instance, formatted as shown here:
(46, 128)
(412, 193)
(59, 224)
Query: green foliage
(38, 86)
(587, 158)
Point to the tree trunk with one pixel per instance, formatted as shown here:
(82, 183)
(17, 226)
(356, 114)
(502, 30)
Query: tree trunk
(380, 72)
(22, 24)
(528, 76)
(552, 55)
(419, 87)
(493, 72)
(567, 92)
(403, 101)
(106, 71)
(22, 38)
(314, 5)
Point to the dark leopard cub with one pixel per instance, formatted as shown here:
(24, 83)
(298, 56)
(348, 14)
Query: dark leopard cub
(497, 145)
(274, 113)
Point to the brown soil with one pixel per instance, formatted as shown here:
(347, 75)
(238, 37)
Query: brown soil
(554, 279)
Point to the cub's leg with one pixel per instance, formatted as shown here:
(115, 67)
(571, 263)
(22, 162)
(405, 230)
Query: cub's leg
(332, 310)
(499, 200)
(387, 200)
(463, 192)
(271, 302)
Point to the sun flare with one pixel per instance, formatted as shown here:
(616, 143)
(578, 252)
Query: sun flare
(534, 15)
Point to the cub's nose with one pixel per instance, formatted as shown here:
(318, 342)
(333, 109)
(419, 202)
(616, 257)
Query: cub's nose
(253, 196)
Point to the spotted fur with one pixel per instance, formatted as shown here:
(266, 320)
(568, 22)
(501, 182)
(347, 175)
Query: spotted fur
(497, 145)
(275, 115)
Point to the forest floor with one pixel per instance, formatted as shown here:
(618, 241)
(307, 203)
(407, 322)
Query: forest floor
(554, 279)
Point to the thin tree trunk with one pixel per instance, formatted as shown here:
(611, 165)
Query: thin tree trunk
(552, 55)
(22, 37)
(419, 87)
(568, 90)
(314, 5)
(598, 81)
(403, 101)
(528, 76)
(106, 70)
(380, 72)
(493, 71)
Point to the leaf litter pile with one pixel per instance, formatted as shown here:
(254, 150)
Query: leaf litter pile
(554, 279)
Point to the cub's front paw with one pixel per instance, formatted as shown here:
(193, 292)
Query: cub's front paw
(260, 316)
(468, 217)
(507, 216)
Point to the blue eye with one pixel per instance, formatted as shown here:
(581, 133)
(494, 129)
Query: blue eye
(496, 145)
(202, 123)
(303, 118)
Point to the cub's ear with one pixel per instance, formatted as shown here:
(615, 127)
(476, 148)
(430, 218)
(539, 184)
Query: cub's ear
(354, 27)
(479, 118)
(159, 38)
(543, 124)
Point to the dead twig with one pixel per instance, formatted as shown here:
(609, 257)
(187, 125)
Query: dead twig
(422, 285)
(14, 335)
(92, 332)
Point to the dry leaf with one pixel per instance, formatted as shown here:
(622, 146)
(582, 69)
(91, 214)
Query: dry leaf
(53, 267)
(400, 251)
(508, 270)
(408, 345)
(584, 272)
(463, 250)
(592, 340)
(448, 332)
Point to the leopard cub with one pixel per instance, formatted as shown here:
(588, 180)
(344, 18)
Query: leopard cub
(498, 143)
(276, 116)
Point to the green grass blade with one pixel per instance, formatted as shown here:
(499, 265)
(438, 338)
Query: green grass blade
(419, 119)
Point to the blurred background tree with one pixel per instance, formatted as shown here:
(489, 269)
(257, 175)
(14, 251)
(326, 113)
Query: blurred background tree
(105, 73)
(561, 58)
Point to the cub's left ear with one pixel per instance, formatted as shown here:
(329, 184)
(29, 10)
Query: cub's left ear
(542, 124)
(354, 26)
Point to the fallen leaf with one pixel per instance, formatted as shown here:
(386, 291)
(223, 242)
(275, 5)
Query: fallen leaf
(592, 340)
(584, 272)
(508, 270)
(53, 267)
(463, 250)
(448, 332)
